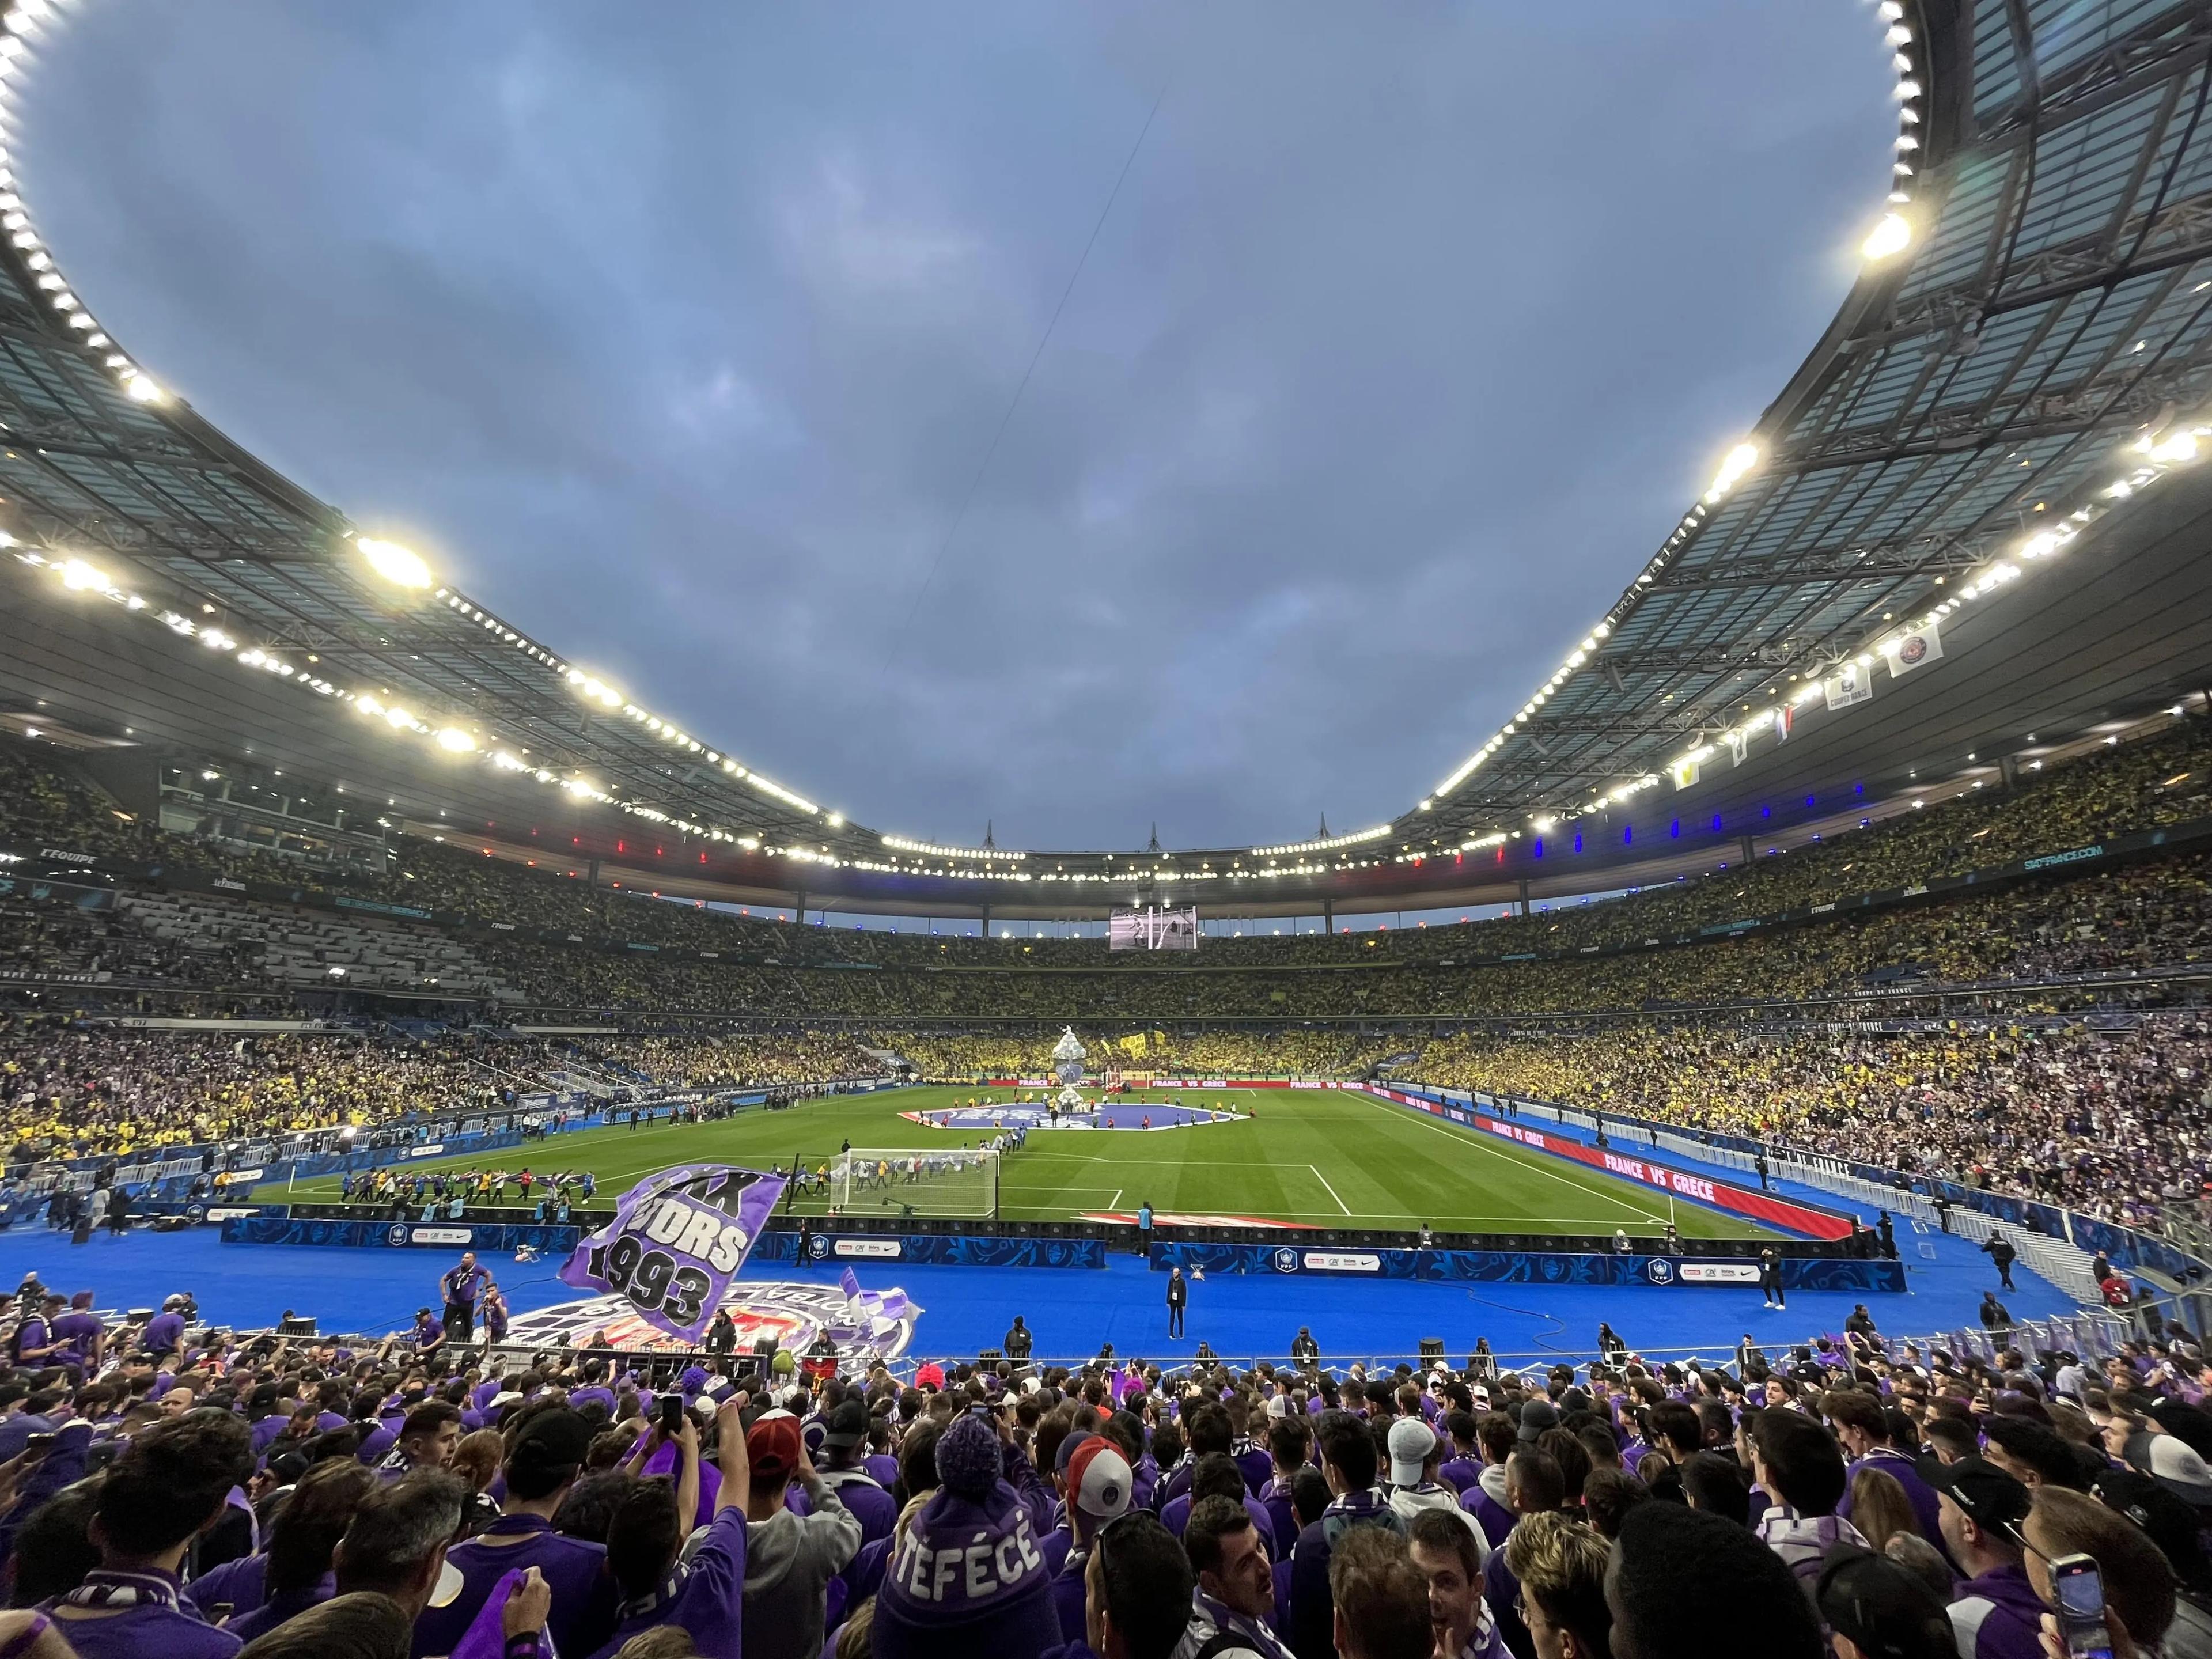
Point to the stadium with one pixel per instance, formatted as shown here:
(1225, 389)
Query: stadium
(410, 1027)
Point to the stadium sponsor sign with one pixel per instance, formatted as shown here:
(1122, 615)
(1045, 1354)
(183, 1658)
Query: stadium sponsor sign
(440, 1236)
(2080, 855)
(881, 1250)
(429, 1149)
(1802, 1218)
(1718, 1272)
(1288, 1260)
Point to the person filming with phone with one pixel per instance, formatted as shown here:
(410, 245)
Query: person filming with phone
(2108, 1588)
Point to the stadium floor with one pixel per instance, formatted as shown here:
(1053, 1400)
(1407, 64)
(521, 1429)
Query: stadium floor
(1070, 1310)
(1315, 1156)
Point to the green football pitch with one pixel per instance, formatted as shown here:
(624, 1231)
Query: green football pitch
(1322, 1156)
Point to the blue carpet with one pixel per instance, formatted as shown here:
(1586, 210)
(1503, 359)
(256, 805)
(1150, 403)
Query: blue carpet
(1071, 1311)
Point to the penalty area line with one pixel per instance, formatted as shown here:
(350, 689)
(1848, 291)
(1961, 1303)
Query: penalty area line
(1323, 1179)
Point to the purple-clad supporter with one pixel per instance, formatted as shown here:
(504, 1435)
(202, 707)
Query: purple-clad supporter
(1415, 1456)
(1560, 1566)
(1683, 1584)
(165, 1331)
(1463, 1468)
(1863, 1427)
(82, 1337)
(1994, 1611)
(1252, 1458)
(1290, 1444)
(303, 1537)
(1100, 1486)
(1797, 1461)
(705, 1593)
(427, 1439)
(1382, 1604)
(846, 1436)
(1486, 1500)
(395, 1545)
(1138, 1587)
(1348, 1462)
(546, 1456)
(33, 1342)
(966, 1576)
(1233, 1604)
(655, 1454)
(1535, 1484)
(791, 1557)
(172, 1484)
(360, 1624)
(1218, 1476)
(1879, 1608)
(269, 1413)
(1443, 1548)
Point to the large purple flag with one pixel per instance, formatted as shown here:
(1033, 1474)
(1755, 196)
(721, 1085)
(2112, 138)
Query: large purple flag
(677, 1240)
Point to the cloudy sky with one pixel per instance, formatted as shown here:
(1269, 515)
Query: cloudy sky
(689, 337)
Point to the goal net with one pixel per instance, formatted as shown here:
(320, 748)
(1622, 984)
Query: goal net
(905, 1180)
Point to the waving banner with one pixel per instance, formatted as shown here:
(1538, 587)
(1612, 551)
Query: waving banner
(677, 1240)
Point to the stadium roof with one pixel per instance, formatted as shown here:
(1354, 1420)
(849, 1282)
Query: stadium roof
(1987, 458)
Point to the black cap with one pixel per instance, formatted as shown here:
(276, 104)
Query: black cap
(555, 1438)
(1989, 1497)
(1536, 1416)
(848, 1424)
(1885, 1611)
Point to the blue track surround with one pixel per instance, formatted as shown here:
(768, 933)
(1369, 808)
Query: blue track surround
(969, 1309)
(938, 1249)
(1626, 1271)
(490, 1236)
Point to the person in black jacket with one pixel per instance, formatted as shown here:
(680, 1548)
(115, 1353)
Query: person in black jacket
(1018, 1342)
(1999, 1250)
(1178, 1299)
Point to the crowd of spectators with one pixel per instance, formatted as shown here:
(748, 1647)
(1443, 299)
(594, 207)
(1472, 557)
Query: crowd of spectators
(734, 1059)
(2158, 780)
(2116, 1122)
(2148, 916)
(177, 1489)
(68, 1090)
(1331, 1053)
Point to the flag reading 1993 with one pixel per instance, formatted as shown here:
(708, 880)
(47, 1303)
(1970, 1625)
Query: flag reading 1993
(677, 1240)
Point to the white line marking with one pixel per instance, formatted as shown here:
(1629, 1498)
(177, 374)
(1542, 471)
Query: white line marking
(1323, 1179)
(1527, 1160)
(1114, 1203)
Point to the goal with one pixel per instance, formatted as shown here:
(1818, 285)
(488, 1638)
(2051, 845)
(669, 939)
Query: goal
(906, 1181)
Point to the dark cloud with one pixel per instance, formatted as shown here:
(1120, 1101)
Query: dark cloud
(677, 333)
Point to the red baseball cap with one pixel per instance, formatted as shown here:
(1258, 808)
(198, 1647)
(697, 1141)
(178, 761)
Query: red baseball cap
(1098, 1479)
(773, 1445)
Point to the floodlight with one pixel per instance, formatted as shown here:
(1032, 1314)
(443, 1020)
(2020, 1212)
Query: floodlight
(400, 566)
